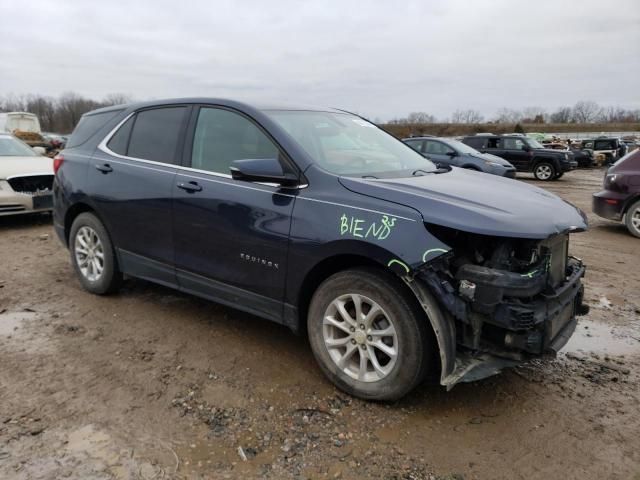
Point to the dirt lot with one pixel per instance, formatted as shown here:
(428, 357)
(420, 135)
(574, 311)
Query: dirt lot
(153, 384)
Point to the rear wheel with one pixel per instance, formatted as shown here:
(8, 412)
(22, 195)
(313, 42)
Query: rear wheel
(632, 219)
(544, 171)
(368, 335)
(92, 255)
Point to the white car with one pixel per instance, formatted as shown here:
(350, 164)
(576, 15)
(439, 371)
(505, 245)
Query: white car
(26, 178)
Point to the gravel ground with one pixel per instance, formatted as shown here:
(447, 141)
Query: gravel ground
(154, 384)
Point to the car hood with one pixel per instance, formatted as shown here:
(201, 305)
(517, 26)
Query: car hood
(477, 203)
(18, 166)
(492, 158)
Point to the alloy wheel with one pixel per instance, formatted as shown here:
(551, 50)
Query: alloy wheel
(544, 172)
(360, 337)
(89, 253)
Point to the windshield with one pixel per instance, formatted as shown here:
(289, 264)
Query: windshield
(533, 143)
(348, 145)
(12, 147)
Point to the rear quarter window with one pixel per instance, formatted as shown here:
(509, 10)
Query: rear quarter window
(88, 125)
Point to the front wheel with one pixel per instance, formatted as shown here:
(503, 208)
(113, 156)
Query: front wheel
(544, 171)
(369, 336)
(92, 255)
(632, 219)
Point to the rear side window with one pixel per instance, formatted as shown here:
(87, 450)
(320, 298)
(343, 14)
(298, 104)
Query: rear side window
(475, 142)
(155, 134)
(120, 140)
(88, 126)
(222, 136)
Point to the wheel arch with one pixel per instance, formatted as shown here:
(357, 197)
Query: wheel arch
(72, 213)
(442, 328)
(629, 202)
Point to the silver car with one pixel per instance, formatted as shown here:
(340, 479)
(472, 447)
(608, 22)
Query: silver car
(26, 178)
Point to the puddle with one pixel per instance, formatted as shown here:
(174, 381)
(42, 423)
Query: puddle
(604, 339)
(10, 321)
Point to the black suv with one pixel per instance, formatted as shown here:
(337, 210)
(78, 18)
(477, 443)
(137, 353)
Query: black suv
(321, 221)
(526, 154)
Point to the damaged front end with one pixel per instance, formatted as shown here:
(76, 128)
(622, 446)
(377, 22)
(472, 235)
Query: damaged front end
(507, 299)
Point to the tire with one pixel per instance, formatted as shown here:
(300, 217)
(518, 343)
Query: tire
(559, 175)
(410, 338)
(632, 219)
(544, 171)
(88, 239)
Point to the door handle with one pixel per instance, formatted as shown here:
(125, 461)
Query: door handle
(104, 168)
(190, 187)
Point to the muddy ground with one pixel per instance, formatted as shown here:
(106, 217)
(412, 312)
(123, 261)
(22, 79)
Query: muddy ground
(154, 384)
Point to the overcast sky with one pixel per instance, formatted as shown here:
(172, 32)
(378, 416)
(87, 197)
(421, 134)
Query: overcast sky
(380, 58)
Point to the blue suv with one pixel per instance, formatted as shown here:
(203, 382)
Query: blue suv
(319, 220)
(447, 151)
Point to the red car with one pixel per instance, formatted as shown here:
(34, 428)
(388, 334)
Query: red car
(620, 199)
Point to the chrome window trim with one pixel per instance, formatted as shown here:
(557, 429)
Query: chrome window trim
(104, 148)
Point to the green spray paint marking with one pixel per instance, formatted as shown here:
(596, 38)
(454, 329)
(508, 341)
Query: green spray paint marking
(399, 262)
(530, 274)
(359, 228)
(432, 250)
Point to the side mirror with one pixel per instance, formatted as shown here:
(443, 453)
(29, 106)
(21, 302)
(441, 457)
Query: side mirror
(267, 170)
(526, 148)
(39, 150)
(452, 153)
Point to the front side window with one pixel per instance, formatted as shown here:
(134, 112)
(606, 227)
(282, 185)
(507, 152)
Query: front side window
(513, 144)
(344, 144)
(223, 136)
(155, 134)
(604, 145)
(437, 148)
(415, 144)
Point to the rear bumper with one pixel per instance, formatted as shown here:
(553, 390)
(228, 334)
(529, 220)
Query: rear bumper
(607, 204)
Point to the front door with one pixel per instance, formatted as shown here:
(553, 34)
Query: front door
(231, 236)
(441, 153)
(131, 177)
(514, 151)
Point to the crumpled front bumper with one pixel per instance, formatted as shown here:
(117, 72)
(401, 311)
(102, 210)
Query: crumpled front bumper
(509, 319)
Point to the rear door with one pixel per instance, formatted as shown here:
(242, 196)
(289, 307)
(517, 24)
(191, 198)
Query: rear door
(231, 236)
(131, 178)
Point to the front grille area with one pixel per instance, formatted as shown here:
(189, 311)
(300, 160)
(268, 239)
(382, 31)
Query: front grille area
(31, 184)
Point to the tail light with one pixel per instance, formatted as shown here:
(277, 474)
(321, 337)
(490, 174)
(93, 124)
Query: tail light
(57, 162)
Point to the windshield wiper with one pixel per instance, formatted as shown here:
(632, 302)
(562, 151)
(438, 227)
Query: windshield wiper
(370, 176)
(415, 172)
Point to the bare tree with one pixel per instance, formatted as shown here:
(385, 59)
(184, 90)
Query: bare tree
(533, 115)
(420, 117)
(508, 115)
(561, 115)
(117, 99)
(466, 116)
(586, 111)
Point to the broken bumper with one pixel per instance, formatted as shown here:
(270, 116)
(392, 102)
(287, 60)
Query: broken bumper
(508, 318)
